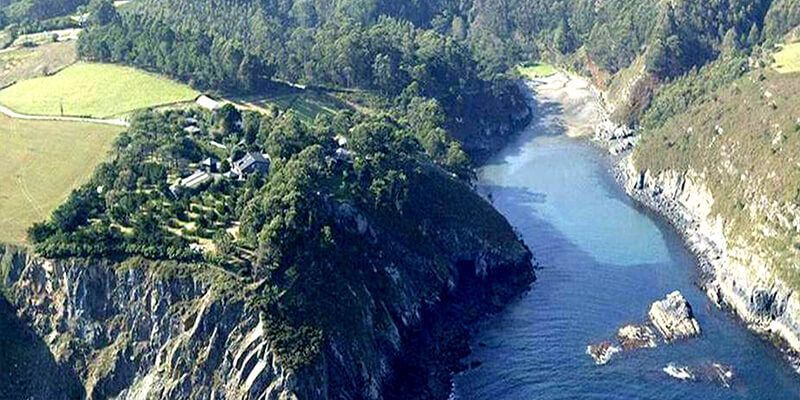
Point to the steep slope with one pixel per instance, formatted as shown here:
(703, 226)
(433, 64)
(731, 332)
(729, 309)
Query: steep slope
(146, 329)
(731, 164)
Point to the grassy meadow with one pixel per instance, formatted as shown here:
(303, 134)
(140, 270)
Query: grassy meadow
(536, 70)
(96, 90)
(788, 59)
(306, 103)
(42, 162)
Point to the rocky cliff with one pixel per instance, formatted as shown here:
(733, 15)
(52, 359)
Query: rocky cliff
(141, 329)
(492, 131)
(736, 274)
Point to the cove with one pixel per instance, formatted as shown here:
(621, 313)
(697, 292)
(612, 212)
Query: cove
(604, 260)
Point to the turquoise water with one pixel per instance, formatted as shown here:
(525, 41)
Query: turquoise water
(604, 261)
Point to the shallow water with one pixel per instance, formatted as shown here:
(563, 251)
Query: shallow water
(604, 260)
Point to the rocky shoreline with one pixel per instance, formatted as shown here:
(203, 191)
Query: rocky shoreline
(767, 306)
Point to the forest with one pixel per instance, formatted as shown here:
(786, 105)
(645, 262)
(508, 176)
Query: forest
(27, 11)
(386, 58)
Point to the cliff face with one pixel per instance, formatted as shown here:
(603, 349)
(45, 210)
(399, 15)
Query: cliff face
(137, 331)
(738, 275)
(152, 330)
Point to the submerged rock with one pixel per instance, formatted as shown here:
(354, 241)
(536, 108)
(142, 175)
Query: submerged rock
(673, 317)
(722, 374)
(602, 352)
(636, 337)
(677, 372)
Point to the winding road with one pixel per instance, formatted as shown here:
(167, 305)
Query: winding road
(115, 122)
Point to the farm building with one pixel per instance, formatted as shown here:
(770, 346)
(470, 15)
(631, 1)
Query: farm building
(208, 103)
(192, 181)
(210, 164)
(250, 163)
(192, 130)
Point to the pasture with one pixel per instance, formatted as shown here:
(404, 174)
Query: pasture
(94, 90)
(32, 62)
(788, 59)
(41, 163)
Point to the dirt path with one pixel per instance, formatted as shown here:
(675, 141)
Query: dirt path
(115, 122)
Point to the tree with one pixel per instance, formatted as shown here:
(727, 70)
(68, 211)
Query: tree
(229, 118)
(3, 19)
(287, 137)
(730, 43)
(563, 37)
(383, 74)
(458, 28)
(754, 37)
(223, 241)
(224, 166)
(102, 12)
(70, 215)
(251, 73)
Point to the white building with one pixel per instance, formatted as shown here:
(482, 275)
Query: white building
(208, 103)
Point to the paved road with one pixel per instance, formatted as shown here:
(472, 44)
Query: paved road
(116, 122)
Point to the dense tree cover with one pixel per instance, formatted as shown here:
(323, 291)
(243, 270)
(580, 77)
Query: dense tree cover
(193, 56)
(25, 11)
(676, 35)
(235, 45)
(324, 228)
(783, 16)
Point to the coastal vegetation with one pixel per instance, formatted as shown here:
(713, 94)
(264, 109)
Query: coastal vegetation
(742, 157)
(112, 91)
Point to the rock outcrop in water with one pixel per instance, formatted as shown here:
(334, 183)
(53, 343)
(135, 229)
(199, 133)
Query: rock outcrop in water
(673, 317)
(602, 352)
(682, 373)
(714, 372)
(636, 337)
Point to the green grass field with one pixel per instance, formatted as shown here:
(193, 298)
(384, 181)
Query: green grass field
(788, 59)
(536, 70)
(112, 91)
(41, 163)
(306, 103)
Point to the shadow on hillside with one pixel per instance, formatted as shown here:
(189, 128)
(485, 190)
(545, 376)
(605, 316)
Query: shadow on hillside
(27, 368)
(547, 120)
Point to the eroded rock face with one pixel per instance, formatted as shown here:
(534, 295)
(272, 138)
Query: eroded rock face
(673, 317)
(636, 337)
(738, 275)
